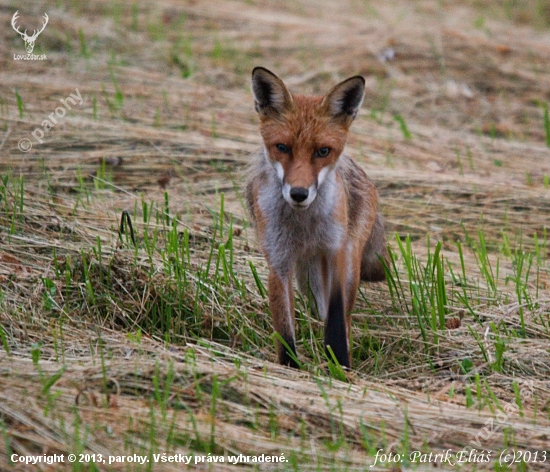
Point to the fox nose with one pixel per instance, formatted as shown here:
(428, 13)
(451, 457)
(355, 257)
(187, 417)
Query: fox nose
(298, 194)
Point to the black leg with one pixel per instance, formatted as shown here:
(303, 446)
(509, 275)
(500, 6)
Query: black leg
(335, 329)
(285, 358)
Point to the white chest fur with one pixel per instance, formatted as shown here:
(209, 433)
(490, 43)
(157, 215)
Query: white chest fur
(293, 234)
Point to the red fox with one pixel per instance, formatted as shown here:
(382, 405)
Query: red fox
(314, 208)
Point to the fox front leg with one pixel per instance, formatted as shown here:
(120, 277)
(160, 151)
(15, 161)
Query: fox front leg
(281, 304)
(337, 334)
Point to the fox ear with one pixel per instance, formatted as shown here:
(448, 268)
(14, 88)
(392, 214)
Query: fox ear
(344, 100)
(271, 97)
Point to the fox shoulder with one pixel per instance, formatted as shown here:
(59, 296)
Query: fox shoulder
(362, 196)
(256, 178)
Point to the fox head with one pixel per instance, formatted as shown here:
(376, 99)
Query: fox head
(304, 136)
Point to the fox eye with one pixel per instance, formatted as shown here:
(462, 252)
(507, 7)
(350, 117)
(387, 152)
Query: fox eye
(282, 148)
(322, 152)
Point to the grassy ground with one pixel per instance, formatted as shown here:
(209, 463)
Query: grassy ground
(148, 332)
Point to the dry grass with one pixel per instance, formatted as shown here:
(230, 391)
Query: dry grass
(162, 355)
